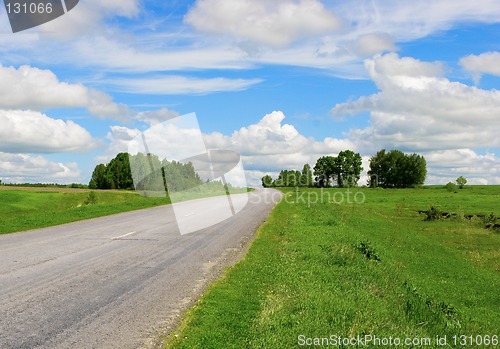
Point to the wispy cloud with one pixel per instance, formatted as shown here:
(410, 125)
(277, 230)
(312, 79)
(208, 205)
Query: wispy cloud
(174, 84)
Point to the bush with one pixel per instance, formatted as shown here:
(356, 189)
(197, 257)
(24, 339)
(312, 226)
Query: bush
(490, 218)
(433, 213)
(451, 187)
(91, 198)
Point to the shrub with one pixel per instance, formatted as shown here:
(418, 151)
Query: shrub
(433, 213)
(451, 187)
(91, 198)
(490, 218)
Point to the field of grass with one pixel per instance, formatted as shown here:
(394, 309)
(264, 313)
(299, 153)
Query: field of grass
(327, 269)
(23, 209)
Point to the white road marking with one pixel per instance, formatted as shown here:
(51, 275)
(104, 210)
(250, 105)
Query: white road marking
(189, 214)
(124, 235)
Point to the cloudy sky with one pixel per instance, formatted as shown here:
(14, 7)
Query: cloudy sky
(281, 82)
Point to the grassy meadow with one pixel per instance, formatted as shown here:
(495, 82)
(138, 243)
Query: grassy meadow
(30, 208)
(322, 267)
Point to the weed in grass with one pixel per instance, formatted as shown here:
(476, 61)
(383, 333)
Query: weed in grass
(368, 251)
(426, 312)
(433, 213)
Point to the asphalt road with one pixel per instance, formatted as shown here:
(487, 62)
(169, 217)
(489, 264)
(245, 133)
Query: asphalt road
(116, 281)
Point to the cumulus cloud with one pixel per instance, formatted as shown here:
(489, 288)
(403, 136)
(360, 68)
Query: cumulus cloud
(34, 132)
(485, 63)
(275, 23)
(270, 144)
(31, 88)
(119, 138)
(24, 168)
(181, 85)
(446, 165)
(417, 109)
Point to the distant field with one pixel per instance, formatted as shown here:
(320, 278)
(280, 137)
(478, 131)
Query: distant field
(30, 208)
(319, 269)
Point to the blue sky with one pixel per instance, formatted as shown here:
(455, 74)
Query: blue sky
(280, 82)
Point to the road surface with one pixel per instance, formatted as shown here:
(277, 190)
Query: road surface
(116, 281)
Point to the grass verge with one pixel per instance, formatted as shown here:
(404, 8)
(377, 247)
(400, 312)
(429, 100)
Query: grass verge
(354, 269)
(30, 209)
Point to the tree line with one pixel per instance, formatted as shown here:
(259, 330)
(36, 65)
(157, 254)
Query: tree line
(152, 174)
(393, 169)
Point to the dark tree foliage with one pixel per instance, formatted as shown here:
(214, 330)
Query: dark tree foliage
(347, 168)
(344, 168)
(306, 179)
(290, 178)
(394, 169)
(150, 172)
(267, 181)
(324, 170)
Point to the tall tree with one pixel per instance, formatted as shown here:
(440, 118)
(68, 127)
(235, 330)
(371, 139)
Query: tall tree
(99, 179)
(118, 171)
(461, 181)
(347, 167)
(324, 171)
(306, 179)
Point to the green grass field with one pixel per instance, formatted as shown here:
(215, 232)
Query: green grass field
(36, 208)
(322, 269)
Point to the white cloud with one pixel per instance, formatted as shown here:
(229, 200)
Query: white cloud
(447, 165)
(32, 88)
(24, 168)
(270, 145)
(266, 32)
(276, 23)
(406, 21)
(34, 132)
(367, 45)
(142, 56)
(418, 110)
(154, 117)
(119, 137)
(88, 17)
(181, 85)
(485, 63)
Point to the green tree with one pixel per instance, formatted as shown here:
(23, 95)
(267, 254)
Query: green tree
(118, 172)
(394, 169)
(267, 181)
(306, 179)
(324, 170)
(461, 181)
(347, 168)
(99, 179)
